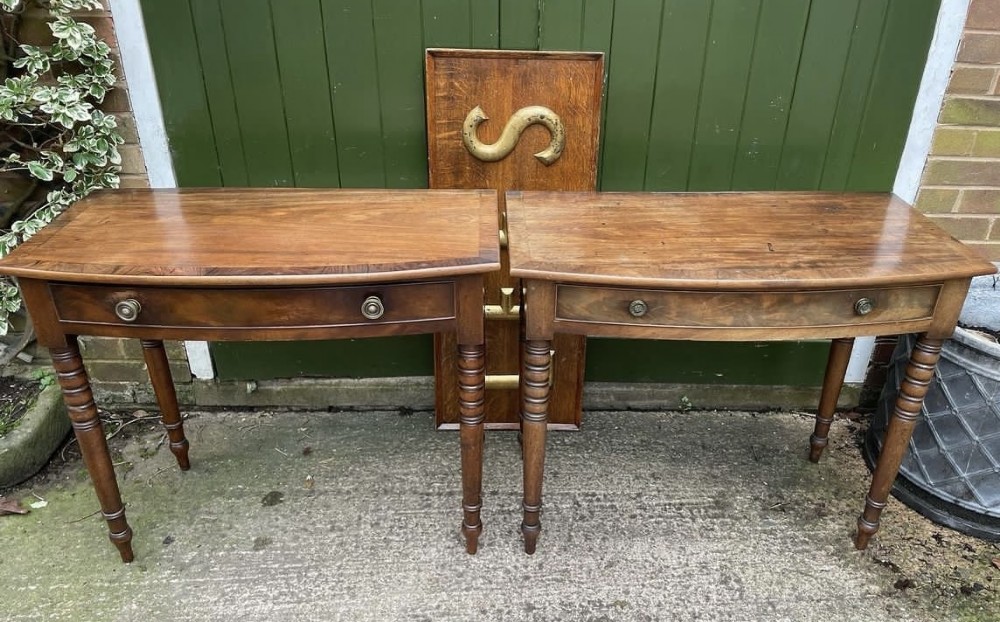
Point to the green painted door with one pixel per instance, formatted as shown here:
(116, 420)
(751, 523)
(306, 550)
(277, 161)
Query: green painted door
(701, 95)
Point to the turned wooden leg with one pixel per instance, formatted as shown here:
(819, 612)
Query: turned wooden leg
(90, 435)
(913, 388)
(535, 371)
(833, 381)
(166, 397)
(471, 398)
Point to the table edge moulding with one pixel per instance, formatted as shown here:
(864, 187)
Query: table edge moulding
(258, 264)
(735, 267)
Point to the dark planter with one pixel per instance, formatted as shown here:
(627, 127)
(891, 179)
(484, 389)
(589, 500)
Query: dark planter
(951, 473)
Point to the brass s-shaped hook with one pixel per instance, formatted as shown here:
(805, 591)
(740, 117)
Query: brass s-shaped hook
(518, 122)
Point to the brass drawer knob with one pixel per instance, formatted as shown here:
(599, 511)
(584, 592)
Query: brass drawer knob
(637, 308)
(864, 306)
(372, 308)
(128, 310)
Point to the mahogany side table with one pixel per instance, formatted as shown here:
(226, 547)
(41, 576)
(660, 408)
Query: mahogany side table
(258, 264)
(735, 267)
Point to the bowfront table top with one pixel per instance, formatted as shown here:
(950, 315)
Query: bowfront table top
(224, 237)
(258, 264)
(728, 267)
(731, 240)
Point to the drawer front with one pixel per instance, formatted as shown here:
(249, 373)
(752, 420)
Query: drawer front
(687, 309)
(255, 308)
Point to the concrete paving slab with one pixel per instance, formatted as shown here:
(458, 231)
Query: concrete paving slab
(354, 516)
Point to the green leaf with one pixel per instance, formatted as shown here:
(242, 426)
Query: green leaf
(39, 171)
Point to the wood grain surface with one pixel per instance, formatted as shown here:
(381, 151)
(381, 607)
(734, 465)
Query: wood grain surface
(731, 241)
(238, 237)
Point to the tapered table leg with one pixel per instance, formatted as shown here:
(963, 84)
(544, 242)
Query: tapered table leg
(166, 397)
(90, 435)
(472, 399)
(833, 381)
(535, 383)
(913, 388)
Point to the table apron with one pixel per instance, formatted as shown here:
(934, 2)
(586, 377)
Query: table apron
(266, 314)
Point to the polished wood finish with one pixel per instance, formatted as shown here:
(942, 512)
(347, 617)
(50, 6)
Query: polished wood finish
(163, 386)
(89, 433)
(502, 82)
(409, 307)
(737, 266)
(913, 388)
(833, 381)
(735, 315)
(245, 237)
(259, 264)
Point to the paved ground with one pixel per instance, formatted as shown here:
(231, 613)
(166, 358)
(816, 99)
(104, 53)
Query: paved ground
(354, 516)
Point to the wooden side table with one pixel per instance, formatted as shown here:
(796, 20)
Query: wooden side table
(258, 264)
(735, 267)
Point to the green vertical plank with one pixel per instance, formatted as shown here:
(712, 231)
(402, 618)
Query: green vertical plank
(400, 55)
(723, 90)
(560, 24)
(631, 78)
(684, 35)
(257, 90)
(350, 55)
(485, 23)
(301, 49)
(446, 23)
(903, 54)
(769, 93)
(853, 93)
(817, 87)
(598, 19)
(595, 36)
(219, 92)
(181, 83)
(519, 24)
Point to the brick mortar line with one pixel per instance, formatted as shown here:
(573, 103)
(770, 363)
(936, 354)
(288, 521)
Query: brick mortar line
(940, 158)
(973, 96)
(955, 215)
(970, 128)
(967, 127)
(963, 64)
(979, 31)
(940, 187)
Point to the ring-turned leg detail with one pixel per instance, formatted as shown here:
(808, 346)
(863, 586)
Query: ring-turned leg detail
(166, 397)
(472, 399)
(535, 373)
(913, 388)
(833, 381)
(89, 432)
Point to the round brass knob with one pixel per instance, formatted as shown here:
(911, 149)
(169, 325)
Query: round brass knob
(372, 308)
(128, 310)
(864, 306)
(637, 308)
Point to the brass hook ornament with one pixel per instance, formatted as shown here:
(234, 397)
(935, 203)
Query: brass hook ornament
(518, 122)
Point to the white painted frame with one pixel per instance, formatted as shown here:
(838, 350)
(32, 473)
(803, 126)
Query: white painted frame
(138, 66)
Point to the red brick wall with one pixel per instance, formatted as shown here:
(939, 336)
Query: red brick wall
(960, 189)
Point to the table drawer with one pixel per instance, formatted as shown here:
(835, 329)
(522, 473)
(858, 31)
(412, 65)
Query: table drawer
(254, 308)
(689, 309)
